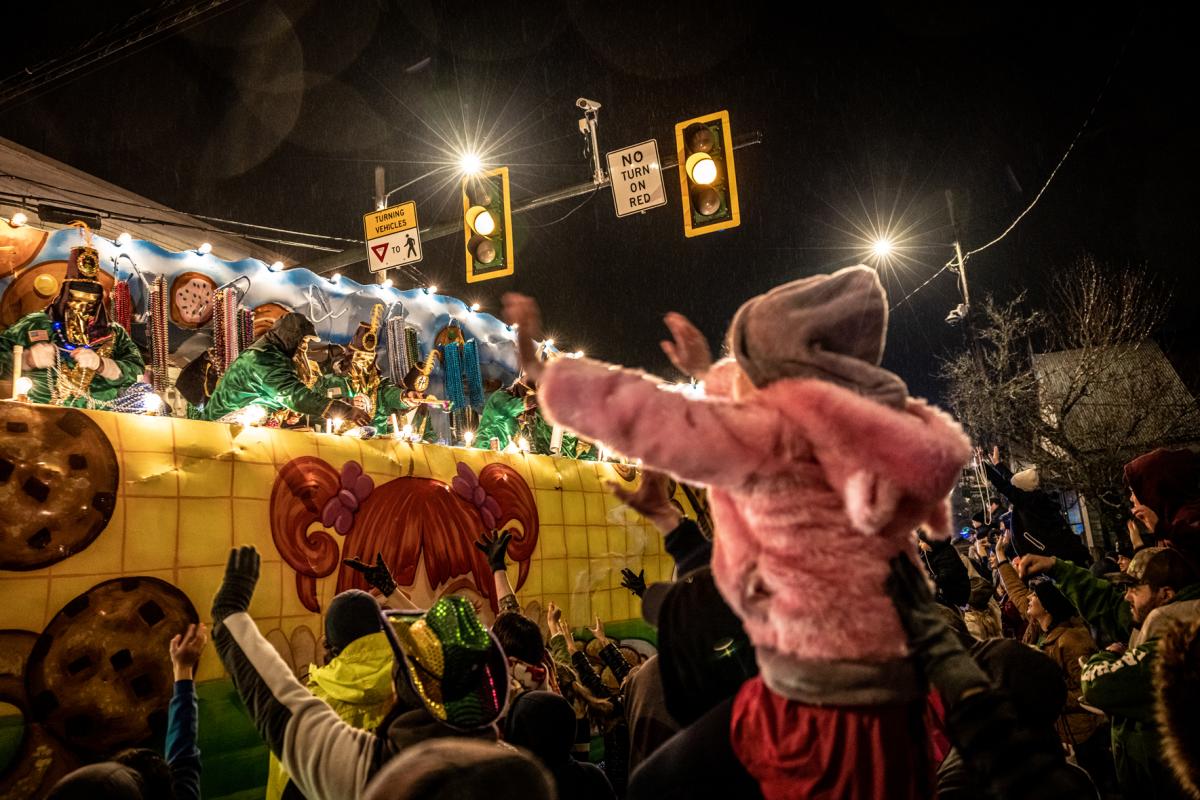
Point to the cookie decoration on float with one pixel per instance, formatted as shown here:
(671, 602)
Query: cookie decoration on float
(192, 299)
(58, 485)
(97, 677)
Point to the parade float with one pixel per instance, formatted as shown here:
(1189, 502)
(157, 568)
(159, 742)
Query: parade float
(117, 524)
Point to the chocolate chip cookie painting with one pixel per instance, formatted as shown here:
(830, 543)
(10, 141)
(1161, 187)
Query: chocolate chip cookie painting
(93, 680)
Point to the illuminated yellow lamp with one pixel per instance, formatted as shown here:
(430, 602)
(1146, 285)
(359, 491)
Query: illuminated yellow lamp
(22, 388)
(701, 168)
(481, 220)
(46, 285)
(882, 247)
(468, 438)
(18, 219)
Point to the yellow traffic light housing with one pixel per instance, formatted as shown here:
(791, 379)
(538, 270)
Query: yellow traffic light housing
(707, 179)
(487, 225)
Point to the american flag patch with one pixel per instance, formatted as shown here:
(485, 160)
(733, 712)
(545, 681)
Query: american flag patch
(39, 336)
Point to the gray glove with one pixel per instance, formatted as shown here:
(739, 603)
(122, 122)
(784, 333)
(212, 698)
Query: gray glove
(934, 646)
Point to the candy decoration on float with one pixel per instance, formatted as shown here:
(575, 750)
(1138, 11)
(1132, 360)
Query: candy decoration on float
(474, 376)
(160, 313)
(122, 305)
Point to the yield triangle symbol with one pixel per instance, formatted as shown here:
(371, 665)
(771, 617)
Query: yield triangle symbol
(379, 250)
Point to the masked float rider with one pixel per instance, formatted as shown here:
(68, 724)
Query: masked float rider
(513, 412)
(361, 383)
(95, 359)
(275, 374)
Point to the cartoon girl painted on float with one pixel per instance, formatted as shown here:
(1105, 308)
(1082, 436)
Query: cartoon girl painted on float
(425, 528)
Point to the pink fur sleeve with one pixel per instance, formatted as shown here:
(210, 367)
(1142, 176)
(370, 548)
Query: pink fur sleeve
(920, 450)
(709, 442)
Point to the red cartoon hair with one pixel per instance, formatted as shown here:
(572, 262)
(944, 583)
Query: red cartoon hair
(403, 519)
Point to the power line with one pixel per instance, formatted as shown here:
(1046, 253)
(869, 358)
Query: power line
(1070, 148)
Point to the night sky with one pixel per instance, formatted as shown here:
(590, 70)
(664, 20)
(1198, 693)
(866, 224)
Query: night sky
(276, 113)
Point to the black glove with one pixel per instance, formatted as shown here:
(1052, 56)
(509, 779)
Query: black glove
(351, 413)
(236, 590)
(934, 646)
(494, 545)
(378, 576)
(634, 583)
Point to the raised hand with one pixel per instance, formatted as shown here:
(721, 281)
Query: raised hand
(186, 648)
(634, 583)
(522, 312)
(1035, 565)
(494, 545)
(378, 575)
(651, 499)
(689, 350)
(237, 588)
(597, 630)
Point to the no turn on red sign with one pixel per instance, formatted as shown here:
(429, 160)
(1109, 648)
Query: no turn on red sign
(635, 173)
(393, 237)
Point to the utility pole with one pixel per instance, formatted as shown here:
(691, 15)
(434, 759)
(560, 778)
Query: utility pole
(381, 202)
(963, 312)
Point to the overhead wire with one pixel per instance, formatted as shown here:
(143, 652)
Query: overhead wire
(1070, 148)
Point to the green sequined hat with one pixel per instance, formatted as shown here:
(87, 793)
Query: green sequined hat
(453, 663)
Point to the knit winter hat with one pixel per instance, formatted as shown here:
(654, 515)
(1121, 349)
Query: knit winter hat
(1053, 600)
(352, 615)
(827, 327)
(107, 780)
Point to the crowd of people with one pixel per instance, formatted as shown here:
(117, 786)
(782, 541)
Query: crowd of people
(834, 639)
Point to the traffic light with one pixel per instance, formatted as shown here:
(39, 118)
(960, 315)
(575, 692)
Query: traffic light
(707, 178)
(487, 228)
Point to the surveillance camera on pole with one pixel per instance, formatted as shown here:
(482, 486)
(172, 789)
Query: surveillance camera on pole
(587, 127)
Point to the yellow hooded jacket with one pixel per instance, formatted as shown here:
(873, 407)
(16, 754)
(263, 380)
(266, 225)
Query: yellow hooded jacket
(357, 684)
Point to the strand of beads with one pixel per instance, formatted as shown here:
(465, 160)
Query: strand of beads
(160, 313)
(412, 349)
(452, 358)
(396, 349)
(474, 376)
(122, 305)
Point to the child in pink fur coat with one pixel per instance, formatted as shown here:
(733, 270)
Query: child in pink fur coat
(820, 467)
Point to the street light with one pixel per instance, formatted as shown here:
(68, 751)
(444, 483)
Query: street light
(470, 164)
